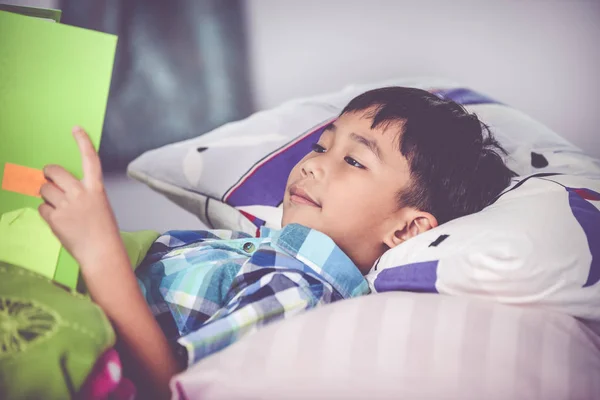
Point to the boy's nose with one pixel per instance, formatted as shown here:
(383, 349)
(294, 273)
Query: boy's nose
(313, 169)
(306, 172)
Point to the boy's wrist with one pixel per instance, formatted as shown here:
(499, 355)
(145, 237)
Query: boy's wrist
(109, 256)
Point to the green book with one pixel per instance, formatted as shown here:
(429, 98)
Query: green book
(42, 13)
(52, 77)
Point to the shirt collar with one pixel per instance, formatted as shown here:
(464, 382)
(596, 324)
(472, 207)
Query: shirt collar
(320, 253)
(264, 232)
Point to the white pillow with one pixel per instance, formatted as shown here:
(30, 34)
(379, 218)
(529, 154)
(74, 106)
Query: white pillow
(405, 346)
(537, 245)
(234, 177)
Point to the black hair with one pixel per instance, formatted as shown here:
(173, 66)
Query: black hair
(456, 165)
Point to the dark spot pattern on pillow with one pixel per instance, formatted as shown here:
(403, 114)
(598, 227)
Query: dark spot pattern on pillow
(538, 160)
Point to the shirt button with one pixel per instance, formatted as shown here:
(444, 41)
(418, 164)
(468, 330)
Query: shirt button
(248, 247)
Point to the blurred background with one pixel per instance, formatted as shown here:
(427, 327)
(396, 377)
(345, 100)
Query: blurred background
(186, 67)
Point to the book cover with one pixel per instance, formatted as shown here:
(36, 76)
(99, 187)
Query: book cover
(52, 77)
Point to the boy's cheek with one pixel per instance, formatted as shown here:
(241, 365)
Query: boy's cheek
(292, 177)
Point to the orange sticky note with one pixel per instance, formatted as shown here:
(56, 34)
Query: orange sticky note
(23, 180)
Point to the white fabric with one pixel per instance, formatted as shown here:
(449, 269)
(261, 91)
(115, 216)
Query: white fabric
(405, 346)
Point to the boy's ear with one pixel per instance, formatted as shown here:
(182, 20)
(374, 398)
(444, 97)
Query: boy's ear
(409, 224)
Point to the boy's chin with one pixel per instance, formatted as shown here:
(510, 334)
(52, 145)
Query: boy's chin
(298, 219)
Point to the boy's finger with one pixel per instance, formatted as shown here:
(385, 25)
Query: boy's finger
(45, 210)
(51, 194)
(62, 178)
(92, 170)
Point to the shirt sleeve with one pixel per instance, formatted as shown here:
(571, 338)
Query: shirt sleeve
(174, 239)
(272, 287)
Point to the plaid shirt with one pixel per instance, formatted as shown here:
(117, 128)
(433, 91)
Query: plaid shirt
(209, 288)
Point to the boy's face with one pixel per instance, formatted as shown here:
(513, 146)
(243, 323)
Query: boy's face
(347, 187)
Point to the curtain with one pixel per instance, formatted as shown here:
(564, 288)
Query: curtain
(180, 70)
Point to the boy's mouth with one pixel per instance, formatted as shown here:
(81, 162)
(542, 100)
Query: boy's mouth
(300, 196)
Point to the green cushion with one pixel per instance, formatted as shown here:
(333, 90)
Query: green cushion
(137, 244)
(50, 337)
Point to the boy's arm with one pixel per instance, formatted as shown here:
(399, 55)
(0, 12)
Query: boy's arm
(113, 286)
(269, 293)
(80, 216)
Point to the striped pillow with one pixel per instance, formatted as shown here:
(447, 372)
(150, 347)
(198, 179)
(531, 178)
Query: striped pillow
(405, 345)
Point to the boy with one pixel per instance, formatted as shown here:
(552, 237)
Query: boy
(397, 162)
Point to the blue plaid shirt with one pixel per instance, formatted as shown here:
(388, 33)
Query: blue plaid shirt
(209, 288)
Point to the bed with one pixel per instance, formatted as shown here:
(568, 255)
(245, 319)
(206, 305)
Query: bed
(501, 304)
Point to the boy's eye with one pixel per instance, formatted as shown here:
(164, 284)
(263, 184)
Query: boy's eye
(354, 163)
(317, 148)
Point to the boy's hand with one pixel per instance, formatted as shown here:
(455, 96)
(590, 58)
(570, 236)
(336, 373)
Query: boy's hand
(78, 211)
(80, 216)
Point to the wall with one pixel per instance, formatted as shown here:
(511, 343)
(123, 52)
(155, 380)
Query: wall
(541, 56)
